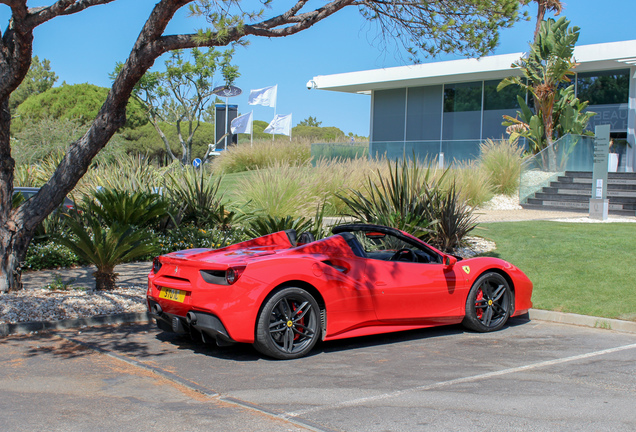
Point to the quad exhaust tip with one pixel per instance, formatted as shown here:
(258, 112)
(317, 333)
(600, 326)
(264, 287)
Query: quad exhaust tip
(191, 318)
(157, 309)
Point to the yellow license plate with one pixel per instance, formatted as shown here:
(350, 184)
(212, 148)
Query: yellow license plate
(172, 294)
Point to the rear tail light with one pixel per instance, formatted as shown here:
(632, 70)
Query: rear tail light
(156, 265)
(233, 274)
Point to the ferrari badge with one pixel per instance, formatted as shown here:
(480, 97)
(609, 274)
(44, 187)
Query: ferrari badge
(466, 269)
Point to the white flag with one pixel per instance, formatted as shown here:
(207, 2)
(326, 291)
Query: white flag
(242, 124)
(280, 125)
(265, 96)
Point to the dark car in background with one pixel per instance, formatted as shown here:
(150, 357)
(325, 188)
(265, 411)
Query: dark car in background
(28, 192)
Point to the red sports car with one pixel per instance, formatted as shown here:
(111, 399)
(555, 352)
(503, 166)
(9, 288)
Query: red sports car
(283, 293)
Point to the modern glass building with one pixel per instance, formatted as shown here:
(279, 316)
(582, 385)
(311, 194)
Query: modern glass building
(450, 107)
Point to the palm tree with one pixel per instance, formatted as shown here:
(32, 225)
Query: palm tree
(544, 6)
(546, 74)
(106, 229)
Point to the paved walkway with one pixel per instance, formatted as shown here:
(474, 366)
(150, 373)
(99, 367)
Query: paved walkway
(135, 274)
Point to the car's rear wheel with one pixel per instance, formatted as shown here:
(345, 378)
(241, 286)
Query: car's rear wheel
(488, 304)
(288, 326)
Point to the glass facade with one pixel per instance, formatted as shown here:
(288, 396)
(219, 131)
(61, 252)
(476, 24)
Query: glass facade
(454, 118)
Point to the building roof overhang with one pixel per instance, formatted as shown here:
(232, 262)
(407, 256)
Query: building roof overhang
(596, 57)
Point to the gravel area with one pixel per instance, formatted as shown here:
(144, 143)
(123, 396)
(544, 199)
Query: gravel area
(34, 305)
(502, 202)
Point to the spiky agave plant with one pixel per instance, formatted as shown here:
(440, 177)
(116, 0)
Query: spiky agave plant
(195, 197)
(399, 201)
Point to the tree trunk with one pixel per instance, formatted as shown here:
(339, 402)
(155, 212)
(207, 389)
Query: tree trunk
(105, 279)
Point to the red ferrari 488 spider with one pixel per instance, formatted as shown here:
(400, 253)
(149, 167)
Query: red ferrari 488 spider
(283, 293)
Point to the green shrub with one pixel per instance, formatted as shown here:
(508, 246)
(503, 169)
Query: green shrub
(501, 161)
(190, 236)
(454, 217)
(50, 255)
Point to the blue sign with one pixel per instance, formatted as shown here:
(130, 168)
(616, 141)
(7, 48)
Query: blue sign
(196, 163)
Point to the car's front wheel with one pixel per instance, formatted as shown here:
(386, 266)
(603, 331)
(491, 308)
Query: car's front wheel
(288, 326)
(489, 303)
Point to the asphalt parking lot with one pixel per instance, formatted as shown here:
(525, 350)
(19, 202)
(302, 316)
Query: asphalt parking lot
(531, 376)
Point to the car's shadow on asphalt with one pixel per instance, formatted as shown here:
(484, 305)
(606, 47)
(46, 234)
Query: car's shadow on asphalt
(245, 352)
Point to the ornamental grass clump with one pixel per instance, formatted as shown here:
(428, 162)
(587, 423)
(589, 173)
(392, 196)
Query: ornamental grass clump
(473, 183)
(501, 161)
(279, 190)
(262, 154)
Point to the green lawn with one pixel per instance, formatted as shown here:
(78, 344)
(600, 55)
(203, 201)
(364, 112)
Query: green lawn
(582, 268)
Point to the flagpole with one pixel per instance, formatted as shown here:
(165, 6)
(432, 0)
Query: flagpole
(252, 129)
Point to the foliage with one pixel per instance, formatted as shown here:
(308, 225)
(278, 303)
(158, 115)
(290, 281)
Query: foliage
(280, 190)
(473, 181)
(130, 173)
(339, 151)
(454, 217)
(267, 224)
(144, 140)
(101, 231)
(50, 137)
(188, 236)
(530, 245)
(38, 79)
(402, 201)
(79, 102)
(137, 209)
(415, 200)
(195, 199)
(262, 154)
(546, 72)
(50, 255)
(501, 160)
(315, 134)
(178, 98)
(310, 121)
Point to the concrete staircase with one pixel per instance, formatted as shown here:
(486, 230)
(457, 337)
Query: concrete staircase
(572, 192)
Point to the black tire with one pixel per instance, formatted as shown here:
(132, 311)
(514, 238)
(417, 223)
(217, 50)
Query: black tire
(288, 326)
(489, 303)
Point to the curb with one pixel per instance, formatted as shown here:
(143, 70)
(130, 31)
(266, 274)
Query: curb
(144, 317)
(29, 327)
(582, 320)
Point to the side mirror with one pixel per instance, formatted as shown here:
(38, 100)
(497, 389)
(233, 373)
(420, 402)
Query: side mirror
(449, 260)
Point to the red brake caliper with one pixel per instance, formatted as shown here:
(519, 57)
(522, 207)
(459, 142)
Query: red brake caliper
(478, 298)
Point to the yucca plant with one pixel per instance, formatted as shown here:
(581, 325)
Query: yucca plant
(195, 197)
(454, 217)
(400, 201)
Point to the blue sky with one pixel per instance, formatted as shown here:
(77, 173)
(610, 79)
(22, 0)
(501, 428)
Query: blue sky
(85, 47)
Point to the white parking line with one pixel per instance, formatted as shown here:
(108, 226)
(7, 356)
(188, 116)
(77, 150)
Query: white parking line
(459, 381)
